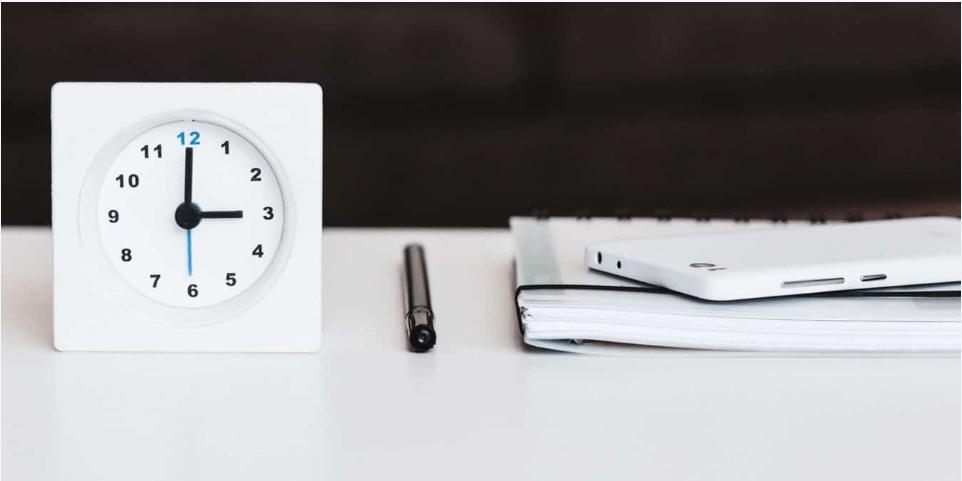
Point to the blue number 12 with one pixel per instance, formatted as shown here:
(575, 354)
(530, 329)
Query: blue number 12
(194, 138)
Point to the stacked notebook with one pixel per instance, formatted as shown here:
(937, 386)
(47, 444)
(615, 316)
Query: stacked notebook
(564, 305)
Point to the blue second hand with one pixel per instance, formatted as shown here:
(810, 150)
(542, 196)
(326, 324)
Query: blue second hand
(190, 259)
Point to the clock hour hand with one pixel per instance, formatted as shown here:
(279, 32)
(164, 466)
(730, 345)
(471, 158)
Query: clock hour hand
(221, 214)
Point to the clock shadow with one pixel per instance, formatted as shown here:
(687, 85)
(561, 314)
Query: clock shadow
(27, 289)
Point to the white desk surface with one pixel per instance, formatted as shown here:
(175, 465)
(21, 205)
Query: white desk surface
(480, 406)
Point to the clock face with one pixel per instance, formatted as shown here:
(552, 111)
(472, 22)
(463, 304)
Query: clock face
(190, 213)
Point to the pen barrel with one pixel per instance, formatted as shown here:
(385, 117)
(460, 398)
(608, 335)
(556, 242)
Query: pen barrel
(418, 316)
(416, 272)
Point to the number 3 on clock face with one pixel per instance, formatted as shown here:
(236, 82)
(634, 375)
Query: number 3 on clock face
(191, 213)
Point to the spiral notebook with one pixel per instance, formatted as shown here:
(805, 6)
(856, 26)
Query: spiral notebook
(563, 305)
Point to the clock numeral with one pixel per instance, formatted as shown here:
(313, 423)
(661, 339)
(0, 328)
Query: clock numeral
(194, 138)
(255, 175)
(226, 147)
(268, 213)
(258, 251)
(146, 150)
(132, 180)
(231, 279)
(114, 216)
(192, 290)
(156, 278)
(125, 255)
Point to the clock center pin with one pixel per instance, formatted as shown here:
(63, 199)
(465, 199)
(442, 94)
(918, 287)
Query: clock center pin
(187, 215)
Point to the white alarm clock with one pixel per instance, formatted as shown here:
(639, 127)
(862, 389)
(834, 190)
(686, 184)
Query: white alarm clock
(187, 216)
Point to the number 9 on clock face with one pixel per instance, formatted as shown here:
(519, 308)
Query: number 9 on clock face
(190, 213)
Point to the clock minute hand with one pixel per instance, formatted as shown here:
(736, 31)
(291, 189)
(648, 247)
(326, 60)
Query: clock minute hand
(221, 214)
(188, 174)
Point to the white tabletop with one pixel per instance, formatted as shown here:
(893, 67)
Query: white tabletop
(480, 406)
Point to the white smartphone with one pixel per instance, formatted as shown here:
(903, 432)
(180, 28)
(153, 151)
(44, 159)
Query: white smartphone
(789, 261)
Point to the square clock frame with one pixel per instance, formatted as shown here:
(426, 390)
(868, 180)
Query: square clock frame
(186, 216)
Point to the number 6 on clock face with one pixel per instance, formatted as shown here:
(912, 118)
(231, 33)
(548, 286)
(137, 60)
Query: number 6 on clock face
(176, 225)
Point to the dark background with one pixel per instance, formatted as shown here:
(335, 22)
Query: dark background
(461, 115)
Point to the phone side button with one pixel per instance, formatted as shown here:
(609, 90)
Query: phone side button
(813, 282)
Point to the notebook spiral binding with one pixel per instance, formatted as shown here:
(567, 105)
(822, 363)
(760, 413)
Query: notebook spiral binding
(626, 214)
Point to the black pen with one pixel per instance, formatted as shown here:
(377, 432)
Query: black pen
(418, 316)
